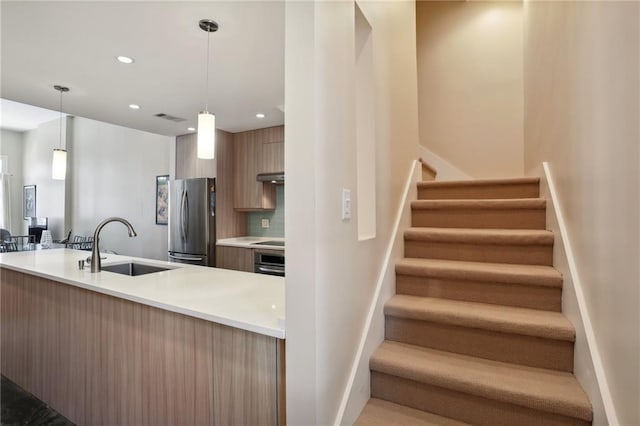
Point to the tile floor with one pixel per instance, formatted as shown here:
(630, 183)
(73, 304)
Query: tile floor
(19, 407)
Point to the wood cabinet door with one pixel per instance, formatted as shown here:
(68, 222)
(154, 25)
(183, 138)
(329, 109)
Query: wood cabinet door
(236, 258)
(272, 157)
(249, 158)
(188, 165)
(185, 156)
(248, 194)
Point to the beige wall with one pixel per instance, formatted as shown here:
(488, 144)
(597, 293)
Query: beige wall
(331, 276)
(582, 110)
(470, 84)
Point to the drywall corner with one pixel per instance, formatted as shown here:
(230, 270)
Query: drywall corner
(444, 169)
(358, 390)
(588, 367)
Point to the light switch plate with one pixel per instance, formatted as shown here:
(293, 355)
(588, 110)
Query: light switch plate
(265, 223)
(346, 204)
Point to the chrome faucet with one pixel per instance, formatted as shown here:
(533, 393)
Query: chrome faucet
(96, 265)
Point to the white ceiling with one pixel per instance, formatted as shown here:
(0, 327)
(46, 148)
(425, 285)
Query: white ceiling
(75, 44)
(20, 117)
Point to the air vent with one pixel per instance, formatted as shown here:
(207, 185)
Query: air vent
(170, 117)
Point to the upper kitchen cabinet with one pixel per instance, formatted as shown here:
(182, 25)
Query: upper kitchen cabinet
(257, 151)
(188, 165)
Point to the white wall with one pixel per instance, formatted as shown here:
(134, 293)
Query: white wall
(114, 170)
(11, 145)
(470, 84)
(37, 154)
(582, 103)
(331, 276)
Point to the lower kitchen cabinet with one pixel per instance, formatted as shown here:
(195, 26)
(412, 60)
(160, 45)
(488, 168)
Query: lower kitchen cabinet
(236, 258)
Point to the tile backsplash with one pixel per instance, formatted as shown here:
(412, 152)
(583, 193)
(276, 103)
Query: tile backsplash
(276, 219)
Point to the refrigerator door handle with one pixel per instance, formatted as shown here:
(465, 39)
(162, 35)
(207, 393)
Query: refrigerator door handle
(182, 232)
(186, 215)
(192, 258)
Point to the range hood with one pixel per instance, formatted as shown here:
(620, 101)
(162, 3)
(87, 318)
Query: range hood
(277, 178)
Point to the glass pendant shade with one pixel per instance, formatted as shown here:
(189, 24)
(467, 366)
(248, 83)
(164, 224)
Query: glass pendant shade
(59, 164)
(206, 135)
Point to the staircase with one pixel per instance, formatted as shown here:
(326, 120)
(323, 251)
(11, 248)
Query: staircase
(475, 333)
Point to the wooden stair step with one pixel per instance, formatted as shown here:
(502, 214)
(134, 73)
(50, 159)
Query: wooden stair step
(519, 246)
(526, 286)
(480, 189)
(476, 390)
(379, 412)
(522, 213)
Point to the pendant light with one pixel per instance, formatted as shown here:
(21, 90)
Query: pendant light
(206, 120)
(59, 163)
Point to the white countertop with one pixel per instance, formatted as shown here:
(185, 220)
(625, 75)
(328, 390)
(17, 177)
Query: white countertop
(252, 302)
(250, 242)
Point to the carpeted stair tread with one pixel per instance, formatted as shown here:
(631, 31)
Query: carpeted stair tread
(513, 203)
(538, 275)
(479, 182)
(540, 389)
(481, 236)
(479, 189)
(496, 318)
(379, 412)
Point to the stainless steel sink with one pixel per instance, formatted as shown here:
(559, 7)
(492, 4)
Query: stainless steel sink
(134, 269)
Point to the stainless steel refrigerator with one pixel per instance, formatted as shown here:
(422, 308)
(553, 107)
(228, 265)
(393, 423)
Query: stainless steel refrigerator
(192, 221)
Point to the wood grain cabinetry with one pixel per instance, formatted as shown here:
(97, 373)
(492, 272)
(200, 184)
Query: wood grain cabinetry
(236, 258)
(101, 360)
(188, 165)
(257, 151)
(229, 222)
(272, 157)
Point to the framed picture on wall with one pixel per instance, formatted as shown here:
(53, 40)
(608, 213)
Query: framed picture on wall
(162, 200)
(29, 201)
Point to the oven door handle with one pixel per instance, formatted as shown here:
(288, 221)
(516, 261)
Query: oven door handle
(271, 270)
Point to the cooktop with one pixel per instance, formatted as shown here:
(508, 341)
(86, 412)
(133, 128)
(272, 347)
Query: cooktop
(270, 243)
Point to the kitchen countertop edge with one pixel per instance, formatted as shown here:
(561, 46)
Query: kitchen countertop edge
(277, 332)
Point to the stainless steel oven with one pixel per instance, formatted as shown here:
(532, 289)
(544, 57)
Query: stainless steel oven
(269, 262)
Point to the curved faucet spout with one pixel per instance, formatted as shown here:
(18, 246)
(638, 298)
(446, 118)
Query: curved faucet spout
(96, 265)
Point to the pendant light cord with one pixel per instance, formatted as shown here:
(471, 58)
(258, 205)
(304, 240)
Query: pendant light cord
(206, 101)
(60, 124)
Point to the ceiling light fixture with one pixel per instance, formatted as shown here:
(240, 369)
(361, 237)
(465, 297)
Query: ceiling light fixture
(207, 121)
(59, 163)
(125, 59)
(134, 106)
(260, 115)
(191, 129)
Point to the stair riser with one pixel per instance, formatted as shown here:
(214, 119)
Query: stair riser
(480, 192)
(479, 218)
(497, 346)
(495, 253)
(460, 406)
(523, 296)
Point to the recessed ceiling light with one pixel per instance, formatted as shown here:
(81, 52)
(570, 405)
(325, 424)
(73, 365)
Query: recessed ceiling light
(191, 129)
(125, 59)
(260, 115)
(134, 106)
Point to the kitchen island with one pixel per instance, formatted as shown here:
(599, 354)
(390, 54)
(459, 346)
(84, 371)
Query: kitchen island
(189, 345)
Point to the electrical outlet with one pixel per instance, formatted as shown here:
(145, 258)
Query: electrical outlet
(265, 223)
(346, 204)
